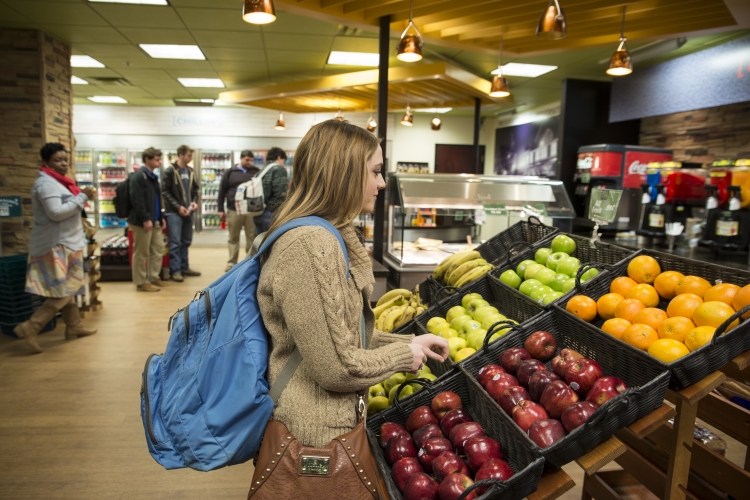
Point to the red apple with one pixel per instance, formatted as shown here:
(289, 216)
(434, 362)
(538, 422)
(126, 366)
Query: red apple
(421, 487)
(511, 358)
(541, 345)
(444, 402)
(546, 432)
(527, 412)
(581, 375)
(455, 484)
(448, 463)
(422, 415)
(577, 414)
(526, 369)
(432, 449)
(453, 418)
(487, 372)
(479, 449)
(556, 397)
(499, 383)
(493, 468)
(511, 396)
(404, 469)
(605, 389)
(462, 432)
(426, 432)
(560, 362)
(399, 447)
(539, 381)
(389, 430)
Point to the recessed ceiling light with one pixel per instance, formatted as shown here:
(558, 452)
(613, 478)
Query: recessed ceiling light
(78, 81)
(432, 110)
(158, 51)
(201, 82)
(528, 70)
(107, 99)
(354, 58)
(211, 101)
(139, 2)
(85, 62)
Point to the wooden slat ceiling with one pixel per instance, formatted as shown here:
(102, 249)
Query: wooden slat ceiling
(420, 86)
(481, 23)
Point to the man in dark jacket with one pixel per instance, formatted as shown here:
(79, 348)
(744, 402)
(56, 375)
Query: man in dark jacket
(181, 193)
(275, 184)
(230, 180)
(145, 223)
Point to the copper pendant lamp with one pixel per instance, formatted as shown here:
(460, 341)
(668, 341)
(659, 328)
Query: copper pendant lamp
(436, 123)
(410, 45)
(371, 123)
(258, 11)
(552, 24)
(500, 86)
(620, 64)
(408, 118)
(280, 125)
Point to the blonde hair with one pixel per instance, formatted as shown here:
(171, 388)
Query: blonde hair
(329, 177)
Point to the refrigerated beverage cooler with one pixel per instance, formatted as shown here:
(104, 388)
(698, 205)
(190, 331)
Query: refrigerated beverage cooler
(111, 170)
(212, 166)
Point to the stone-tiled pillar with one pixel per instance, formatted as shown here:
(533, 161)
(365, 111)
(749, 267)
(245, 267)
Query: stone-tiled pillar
(36, 103)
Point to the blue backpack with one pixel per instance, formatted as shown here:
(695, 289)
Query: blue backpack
(205, 402)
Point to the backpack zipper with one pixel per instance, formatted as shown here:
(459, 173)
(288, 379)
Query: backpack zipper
(169, 324)
(207, 303)
(144, 393)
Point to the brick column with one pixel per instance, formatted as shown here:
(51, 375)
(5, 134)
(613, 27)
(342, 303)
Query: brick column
(36, 102)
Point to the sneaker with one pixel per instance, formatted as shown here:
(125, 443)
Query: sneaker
(228, 268)
(160, 283)
(148, 287)
(178, 277)
(190, 272)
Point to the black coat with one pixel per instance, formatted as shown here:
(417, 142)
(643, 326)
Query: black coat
(173, 192)
(231, 179)
(143, 191)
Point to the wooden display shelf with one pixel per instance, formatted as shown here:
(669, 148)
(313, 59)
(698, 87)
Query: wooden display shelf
(554, 484)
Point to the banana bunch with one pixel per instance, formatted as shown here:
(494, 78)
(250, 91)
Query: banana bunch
(462, 268)
(396, 308)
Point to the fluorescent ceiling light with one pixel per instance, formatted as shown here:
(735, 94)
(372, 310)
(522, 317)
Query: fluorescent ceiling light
(85, 62)
(139, 2)
(219, 102)
(158, 51)
(107, 99)
(354, 58)
(528, 70)
(201, 82)
(211, 101)
(78, 81)
(432, 110)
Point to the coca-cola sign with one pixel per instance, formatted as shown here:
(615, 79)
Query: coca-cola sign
(637, 168)
(637, 163)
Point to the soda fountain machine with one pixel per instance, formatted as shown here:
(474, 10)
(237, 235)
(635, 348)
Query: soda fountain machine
(728, 218)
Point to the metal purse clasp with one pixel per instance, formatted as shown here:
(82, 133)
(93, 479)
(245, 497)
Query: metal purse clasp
(361, 408)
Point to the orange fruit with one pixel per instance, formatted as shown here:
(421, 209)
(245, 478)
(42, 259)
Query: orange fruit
(583, 307)
(640, 336)
(692, 284)
(742, 299)
(606, 304)
(684, 305)
(714, 313)
(723, 292)
(644, 269)
(622, 285)
(628, 308)
(645, 293)
(698, 337)
(675, 328)
(616, 327)
(668, 350)
(650, 316)
(665, 283)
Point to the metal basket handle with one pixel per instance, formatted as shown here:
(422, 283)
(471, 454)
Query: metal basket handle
(421, 381)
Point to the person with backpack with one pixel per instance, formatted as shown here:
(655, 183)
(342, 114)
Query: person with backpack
(275, 185)
(145, 220)
(230, 180)
(181, 192)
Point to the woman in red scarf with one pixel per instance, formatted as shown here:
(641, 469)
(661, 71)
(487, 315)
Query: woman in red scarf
(55, 268)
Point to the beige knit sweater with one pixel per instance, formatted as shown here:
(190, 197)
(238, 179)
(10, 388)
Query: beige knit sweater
(306, 300)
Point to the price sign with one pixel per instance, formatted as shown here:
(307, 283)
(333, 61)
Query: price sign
(603, 205)
(10, 206)
(459, 215)
(497, 209)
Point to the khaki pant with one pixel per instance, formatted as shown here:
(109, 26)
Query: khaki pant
(148, 252)
(235, 223)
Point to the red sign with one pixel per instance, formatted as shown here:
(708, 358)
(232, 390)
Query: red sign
(636, 164)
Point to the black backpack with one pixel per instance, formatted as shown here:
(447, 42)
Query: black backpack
(122, 198)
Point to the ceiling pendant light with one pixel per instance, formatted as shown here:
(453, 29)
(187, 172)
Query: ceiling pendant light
(552, 24)
(410, 45)
(499, 82)
(280, 125)
(436, 123)
(258, 12)
(371, 123)
(338, 116)
(620, 63)
(408, 119)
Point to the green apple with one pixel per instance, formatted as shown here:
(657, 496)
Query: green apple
(455, 312)
(455, 345)
(483, 312)
(466, 299)
(563, 243)
(463, 354)
(521, 268)
(376, 390)
(428, 376)
(542, 255)
(462, 336)
(434, 322)
(557, 283)
(406, 391)
(545, 276)
(569, 284)
(459, 320)
(424, 369)
(475, 339)
(532, 270)
(555, 259)
(529, 285)
(476, 304)
(376, 404)
(569, 266)
(538, 294)
(488, 321)
(395, 379)
(441, 327)
(468, 326)
(590, 273)
(511, 278)
(448, 333)
(550, 297)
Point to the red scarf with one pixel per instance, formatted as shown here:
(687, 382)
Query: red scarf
(65, 181)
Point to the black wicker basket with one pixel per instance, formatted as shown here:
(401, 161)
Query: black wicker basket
(526, 465)
(498, 249)
(709, 358)
(647, 382)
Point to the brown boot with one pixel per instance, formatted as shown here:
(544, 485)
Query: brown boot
(73, 326)
(29, 330)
